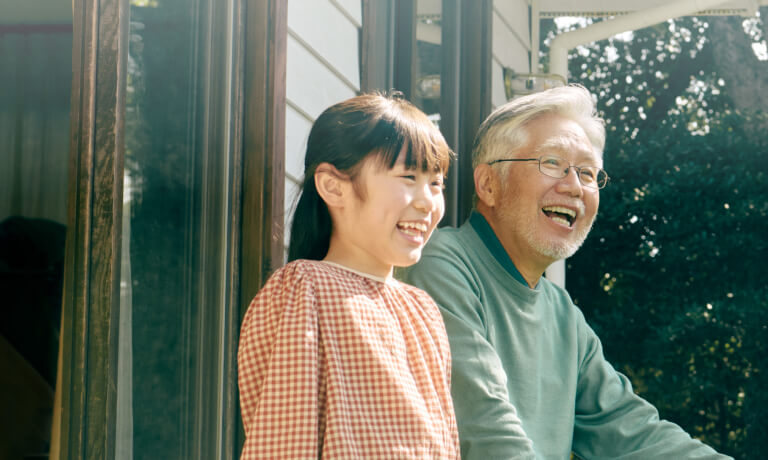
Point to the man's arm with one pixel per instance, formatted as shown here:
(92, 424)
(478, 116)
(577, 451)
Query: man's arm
(489, 427)
(613, 422)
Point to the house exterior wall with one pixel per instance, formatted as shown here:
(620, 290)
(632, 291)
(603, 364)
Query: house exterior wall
(511, 43)
(323, 67)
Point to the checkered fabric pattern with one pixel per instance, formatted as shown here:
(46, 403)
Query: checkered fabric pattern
(336, 365)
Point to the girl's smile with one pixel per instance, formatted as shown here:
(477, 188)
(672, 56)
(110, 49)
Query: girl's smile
(414, 230)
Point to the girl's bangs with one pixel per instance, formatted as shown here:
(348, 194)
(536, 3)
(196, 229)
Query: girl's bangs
(423, 146)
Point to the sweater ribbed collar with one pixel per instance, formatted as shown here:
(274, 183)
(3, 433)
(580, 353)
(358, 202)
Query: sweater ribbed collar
(491, 241)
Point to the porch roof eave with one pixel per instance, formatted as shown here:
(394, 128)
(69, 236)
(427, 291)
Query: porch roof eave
(601, 8)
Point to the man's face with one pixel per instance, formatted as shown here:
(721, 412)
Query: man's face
(542, 218)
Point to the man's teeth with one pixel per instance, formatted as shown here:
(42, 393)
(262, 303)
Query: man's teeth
(560, 214)
(561, 210)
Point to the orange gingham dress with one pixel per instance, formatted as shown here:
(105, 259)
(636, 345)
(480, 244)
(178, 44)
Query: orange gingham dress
(336, 365)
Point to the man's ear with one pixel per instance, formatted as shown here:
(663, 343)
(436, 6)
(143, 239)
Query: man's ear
(486, 184)
(331, 185)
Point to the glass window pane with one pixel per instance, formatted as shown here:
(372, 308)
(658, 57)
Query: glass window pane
(35, 77)
(428, 62)
(174, 265)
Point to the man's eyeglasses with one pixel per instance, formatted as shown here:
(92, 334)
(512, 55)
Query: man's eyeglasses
(552, 166)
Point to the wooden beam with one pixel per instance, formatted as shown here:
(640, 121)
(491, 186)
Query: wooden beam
(264, 144)
(475, 90)
(91, 296)
(450, 114)
(263, 171)
(377, 46)
(405, 47)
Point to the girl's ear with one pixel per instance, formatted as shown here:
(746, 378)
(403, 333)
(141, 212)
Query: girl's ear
(331, 185)
(486, 184)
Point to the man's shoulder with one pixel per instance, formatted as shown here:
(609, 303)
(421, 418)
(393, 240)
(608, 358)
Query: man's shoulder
(449, 242)
(447, 256)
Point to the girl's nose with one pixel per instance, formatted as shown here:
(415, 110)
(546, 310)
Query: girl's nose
(424, 200)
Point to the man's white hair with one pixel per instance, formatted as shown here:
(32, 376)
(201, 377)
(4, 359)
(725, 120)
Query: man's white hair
(504, 130)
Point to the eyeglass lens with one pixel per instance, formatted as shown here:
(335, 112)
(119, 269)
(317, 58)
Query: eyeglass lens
(589, 176)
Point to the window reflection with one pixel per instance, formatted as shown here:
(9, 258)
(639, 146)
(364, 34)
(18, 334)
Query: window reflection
(35, 80)
(174, 233)
(157, 233)
(428, 58)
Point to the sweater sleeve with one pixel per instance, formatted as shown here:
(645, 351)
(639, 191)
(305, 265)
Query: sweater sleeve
(278, 371)
(613, 422)
(489, 427)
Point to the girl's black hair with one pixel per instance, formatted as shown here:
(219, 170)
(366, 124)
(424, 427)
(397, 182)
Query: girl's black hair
(344, 135)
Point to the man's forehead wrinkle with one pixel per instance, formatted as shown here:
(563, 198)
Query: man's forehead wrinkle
(567, 143)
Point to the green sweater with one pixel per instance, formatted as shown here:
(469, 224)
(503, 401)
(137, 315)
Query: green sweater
(529, 377)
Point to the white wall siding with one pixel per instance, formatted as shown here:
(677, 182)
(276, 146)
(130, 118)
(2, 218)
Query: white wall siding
(498, 97)
(353, 9)
(310, 85)
(515, 14)
(297, 128)
(291, 197)
(511, 43)
(323, 68)
(508, 47)
(298, 125)
(325, 29)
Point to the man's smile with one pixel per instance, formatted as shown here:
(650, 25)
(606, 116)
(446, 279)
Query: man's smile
(560, 214)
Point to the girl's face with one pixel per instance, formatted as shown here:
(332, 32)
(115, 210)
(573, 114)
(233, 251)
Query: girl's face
(393, 220)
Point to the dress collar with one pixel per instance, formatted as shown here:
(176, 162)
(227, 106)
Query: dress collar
(380, 279)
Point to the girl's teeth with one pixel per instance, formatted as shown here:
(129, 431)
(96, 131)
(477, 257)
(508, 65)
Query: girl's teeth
(415, 226)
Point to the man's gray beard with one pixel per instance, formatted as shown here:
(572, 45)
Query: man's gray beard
(559, 250)
(555, 250)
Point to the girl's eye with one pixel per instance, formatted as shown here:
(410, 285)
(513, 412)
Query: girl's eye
(408, 177)
(439, 183)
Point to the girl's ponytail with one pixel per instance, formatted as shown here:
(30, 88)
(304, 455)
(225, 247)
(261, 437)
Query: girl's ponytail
(311, 226)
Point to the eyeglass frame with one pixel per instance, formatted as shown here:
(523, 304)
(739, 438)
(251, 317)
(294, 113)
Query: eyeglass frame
(578, 169)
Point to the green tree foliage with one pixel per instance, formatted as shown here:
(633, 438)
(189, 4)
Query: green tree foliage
(673, 275)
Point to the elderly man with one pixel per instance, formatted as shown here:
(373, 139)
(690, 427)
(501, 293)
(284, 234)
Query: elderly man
(529, 376)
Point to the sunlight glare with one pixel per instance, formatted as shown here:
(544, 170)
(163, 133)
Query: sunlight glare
(761, 50)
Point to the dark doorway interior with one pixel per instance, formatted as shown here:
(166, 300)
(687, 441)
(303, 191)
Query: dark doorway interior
(36, 75)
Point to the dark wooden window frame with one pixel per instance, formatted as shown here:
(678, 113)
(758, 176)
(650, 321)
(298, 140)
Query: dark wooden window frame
(91, 295)
(377, 45)
(264, 100)
(85, 412)
(263, 174)
(476, 20)
(388, 53)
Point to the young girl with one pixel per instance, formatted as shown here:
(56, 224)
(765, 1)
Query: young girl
(337, 359)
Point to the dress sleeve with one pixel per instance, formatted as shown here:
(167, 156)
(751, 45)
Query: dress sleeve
(613, 422)
(278, 371)
(489, 427)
